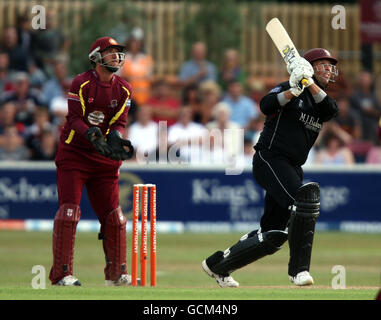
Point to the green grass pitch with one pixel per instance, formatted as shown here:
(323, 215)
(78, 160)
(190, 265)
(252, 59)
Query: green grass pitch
(179, 273)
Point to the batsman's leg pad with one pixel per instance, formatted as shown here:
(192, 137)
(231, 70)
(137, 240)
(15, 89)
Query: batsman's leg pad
(64, 229)
(301, 227)
(113, 233)
(249, 248)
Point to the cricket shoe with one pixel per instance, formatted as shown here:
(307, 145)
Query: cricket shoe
(302, 279)
(223, 281)
(124, 280)
(68, 281)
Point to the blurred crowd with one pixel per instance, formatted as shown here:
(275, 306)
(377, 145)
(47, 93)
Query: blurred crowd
(196, 106)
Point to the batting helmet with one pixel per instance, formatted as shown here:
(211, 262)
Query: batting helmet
(100, 45)
(318, 54)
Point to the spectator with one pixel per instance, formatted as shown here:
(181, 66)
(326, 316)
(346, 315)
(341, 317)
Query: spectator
(190, 97)
(185, 138)
(23, 28)
(231, 69)
(25, 99)
(7, 115)
(364, 101)
(138, 67)
(229, 141)
(348, 119)
(198, 68)
(244, 110)
(5, 74)
(48, 43)
(18, 57)
(46, 148)
(257, 89)
(164, 106)
(334, 151)
(13, 148)
(374, 153)
(143, 135)
(210, 94)
(57, 85)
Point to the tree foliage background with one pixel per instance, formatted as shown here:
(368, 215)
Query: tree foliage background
(104, 18)
(217, 23)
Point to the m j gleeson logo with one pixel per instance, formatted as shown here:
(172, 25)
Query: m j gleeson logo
(310, 122)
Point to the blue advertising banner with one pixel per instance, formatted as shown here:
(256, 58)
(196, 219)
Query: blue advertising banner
(194, 194)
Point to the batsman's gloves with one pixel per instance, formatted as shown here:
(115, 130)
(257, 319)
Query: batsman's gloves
(296, 91)
(117, 144)
(94, 134)
(300, 73)
(299, 62)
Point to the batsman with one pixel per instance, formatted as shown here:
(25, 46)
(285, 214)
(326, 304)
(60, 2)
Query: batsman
(90, 152)
(295, 114)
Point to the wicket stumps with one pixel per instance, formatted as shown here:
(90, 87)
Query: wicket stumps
(144, 190)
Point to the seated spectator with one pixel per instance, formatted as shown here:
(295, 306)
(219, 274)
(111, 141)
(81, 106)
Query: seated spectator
(334, 151)
(185, 138)
(143, 135)
(348, 119)
(59, 110)
(164, 106)
(190, 97)
(13, 148)
(5, 74)
(25, 99)
(18, 57)
(56, 86)
(210, 94)
(374, 153)
(231, 69)
(257, 89)
(138, 67)
(46, 148)
(7, 115)
(33, 132)
(198, 68)
(365, 102)
(48, 43)
(244, 110)
(228, 141)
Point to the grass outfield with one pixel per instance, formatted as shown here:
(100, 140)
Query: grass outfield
(179, 273)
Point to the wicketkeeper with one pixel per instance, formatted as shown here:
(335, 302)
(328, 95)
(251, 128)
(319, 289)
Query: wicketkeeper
(91, 150)
(294, 117)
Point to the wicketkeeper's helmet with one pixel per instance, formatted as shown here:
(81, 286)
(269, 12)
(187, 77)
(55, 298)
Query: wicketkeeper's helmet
(102, 44)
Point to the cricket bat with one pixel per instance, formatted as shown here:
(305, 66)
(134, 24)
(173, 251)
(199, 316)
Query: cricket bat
(283, 42)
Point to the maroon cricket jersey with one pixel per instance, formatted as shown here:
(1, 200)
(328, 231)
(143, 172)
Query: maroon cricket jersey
(93, 103)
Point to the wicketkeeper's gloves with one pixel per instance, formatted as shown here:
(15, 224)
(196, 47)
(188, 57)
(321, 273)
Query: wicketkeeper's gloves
(117, 145)
(94, 134)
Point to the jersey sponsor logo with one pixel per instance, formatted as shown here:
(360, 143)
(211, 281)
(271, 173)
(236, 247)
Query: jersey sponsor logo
(96, 117)
(310, 122)
(276, 89)
(90, 100)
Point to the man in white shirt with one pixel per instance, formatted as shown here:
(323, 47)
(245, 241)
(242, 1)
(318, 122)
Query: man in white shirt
(185, 138)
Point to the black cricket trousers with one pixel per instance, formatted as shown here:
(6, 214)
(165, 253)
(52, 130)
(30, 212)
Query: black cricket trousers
(281, 180)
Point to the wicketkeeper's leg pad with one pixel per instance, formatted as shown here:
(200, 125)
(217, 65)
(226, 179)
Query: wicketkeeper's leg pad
(64, 229)
(249, 248)
(301, 227)
(113, 234)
